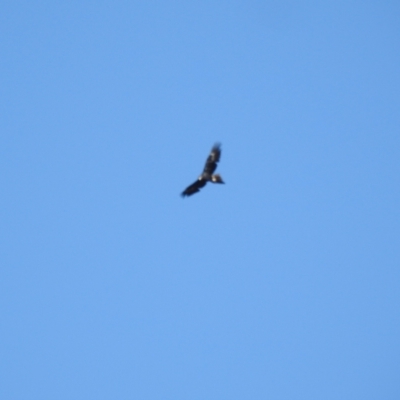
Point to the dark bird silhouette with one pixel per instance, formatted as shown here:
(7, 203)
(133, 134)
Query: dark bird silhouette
(207, 174)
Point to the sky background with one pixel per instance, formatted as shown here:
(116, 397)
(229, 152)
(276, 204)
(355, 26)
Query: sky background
(281, 284)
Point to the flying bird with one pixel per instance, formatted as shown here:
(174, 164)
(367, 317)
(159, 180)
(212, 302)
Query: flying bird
(207, 174)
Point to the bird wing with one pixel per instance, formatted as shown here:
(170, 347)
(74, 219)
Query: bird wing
(193, 188)
(212, 159)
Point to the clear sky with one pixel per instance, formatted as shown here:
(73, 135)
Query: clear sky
(281, 284)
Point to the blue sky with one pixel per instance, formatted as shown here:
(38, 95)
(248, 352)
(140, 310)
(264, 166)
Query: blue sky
(281, 284)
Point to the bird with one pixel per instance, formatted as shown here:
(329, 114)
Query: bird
(208, 172)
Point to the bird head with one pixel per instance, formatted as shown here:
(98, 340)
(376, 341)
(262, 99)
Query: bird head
(216, 179)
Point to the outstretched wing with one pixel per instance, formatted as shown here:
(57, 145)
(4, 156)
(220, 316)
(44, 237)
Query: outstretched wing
(193, 188)
(212, 160)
